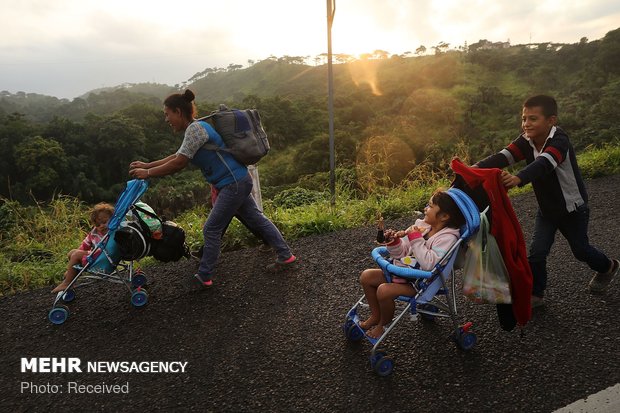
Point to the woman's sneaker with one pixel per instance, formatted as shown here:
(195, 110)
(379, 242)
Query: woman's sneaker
(280, 265)
(601, 280)
(203, 280)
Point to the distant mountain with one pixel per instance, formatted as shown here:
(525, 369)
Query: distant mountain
(486, 68)
(265, 79)
(157, 90)
(41, 108)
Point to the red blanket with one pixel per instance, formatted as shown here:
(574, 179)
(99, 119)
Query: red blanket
(507, 231)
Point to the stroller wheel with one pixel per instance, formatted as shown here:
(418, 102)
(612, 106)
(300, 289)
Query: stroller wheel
(347, 324)
(374, 358)
(68, 296)
(58, 315)
(384, 366)
(139, 298)
(138, 280)
(353, 333)
(467, 341)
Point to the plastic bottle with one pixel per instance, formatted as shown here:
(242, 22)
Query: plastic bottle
(380, 229)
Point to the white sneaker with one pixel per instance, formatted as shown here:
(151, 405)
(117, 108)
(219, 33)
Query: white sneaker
(601, 280)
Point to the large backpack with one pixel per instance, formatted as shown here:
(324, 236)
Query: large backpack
(242, 132)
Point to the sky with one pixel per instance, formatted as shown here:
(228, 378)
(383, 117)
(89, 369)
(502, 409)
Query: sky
(65, 48)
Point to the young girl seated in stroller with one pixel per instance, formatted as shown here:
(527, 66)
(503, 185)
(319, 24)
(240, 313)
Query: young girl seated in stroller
(99, 217)
(420, 246)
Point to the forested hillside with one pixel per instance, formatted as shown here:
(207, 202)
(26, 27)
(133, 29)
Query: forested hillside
(393, 115)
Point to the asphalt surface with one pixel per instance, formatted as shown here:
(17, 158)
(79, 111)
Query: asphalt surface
(273, 342)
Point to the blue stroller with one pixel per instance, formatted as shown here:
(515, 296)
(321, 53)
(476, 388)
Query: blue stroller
(435, 291)
(105, 263)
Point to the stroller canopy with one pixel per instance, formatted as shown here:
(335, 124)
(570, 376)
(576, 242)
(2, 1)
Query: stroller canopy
(134, 190)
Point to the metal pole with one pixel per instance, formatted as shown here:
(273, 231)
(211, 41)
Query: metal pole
(331, 10)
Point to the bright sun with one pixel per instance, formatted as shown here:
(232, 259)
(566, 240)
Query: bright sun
(361, 34)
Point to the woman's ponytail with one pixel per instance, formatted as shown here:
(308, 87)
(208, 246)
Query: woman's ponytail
(189, 95)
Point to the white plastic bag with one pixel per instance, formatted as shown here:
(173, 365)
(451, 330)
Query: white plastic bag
(485, 277)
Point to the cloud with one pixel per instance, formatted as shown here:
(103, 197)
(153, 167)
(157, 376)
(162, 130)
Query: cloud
(68, 47)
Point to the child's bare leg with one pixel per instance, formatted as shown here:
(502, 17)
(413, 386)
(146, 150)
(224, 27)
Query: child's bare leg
(74, 258)
(371, 279)
(386, 294)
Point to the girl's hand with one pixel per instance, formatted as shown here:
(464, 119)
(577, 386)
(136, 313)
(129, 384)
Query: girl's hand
(400, 234)
(388, 234)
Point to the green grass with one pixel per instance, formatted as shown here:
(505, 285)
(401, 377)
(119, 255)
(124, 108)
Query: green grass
(34, 241)
(600, 162)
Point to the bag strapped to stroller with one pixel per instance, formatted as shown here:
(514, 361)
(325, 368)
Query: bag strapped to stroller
(170, 246)
(433, 298)
(104, 261)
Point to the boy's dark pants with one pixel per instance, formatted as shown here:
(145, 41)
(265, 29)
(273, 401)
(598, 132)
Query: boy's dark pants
(574, 227)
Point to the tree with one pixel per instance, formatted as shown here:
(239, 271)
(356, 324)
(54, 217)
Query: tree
(14, 129)
(609, 52)
(382, 162)
(441, 47)
(380, 54)
(116, 141)
(420, 50)
(232, 67)
(480, 43)
(41, 165)
(343, 58)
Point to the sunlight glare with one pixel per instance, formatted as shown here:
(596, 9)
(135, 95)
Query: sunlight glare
(365, 72)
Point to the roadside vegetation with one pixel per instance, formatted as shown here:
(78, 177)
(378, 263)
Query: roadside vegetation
(35, 239)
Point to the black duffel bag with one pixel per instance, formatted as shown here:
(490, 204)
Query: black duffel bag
(171, 246)
(132, 242)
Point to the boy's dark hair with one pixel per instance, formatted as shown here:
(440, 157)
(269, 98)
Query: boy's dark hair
(547, 103)
(447, 205)
(184, 102)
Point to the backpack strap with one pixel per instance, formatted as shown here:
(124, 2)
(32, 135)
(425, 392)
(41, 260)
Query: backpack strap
(216, 148)
(209, 145)
(143, 224)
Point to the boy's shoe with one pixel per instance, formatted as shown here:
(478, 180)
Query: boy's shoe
(203, 280)
(279, 265)
(601, 280)
(537, 301)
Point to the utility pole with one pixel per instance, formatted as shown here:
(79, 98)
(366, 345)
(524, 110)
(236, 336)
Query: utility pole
(331, 11)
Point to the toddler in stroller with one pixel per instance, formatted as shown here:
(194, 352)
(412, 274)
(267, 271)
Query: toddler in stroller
(426, 288)
(105, 261)
(99, 217)
(420, 246)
